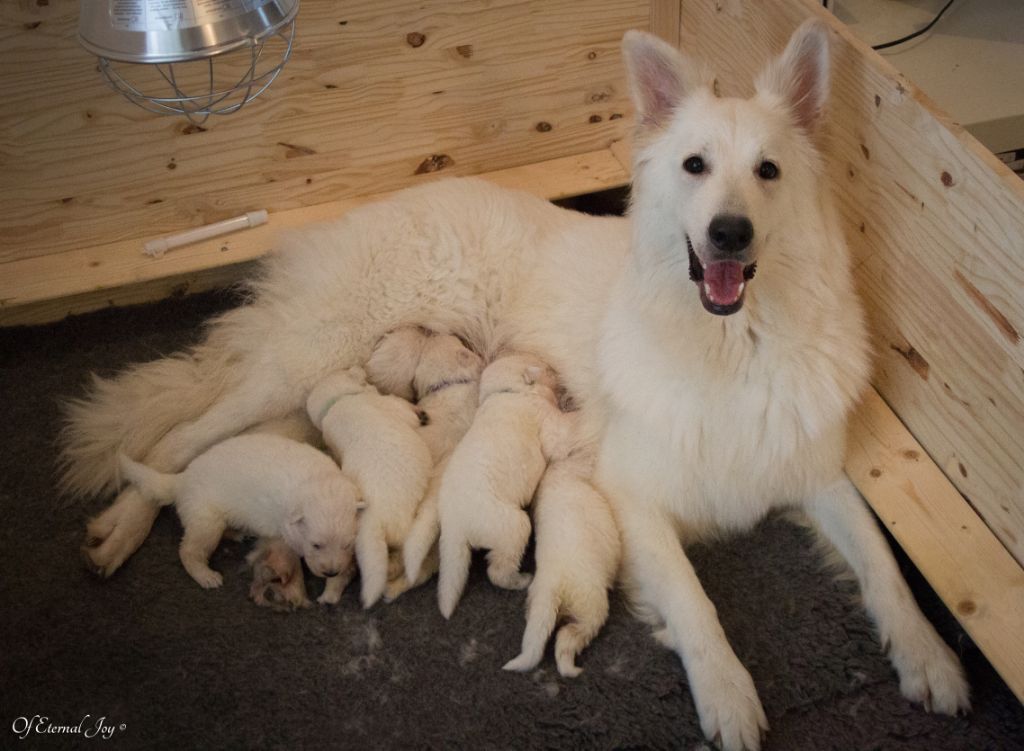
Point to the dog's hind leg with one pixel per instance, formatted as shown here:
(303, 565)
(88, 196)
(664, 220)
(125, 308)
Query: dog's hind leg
(372, 556)
(118, 531)
(455, 558)
(507, 549)
(202, 535)
(541, 616)
(590, 615)
(929, 671)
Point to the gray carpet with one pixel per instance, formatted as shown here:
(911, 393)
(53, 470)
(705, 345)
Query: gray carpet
(180, 667)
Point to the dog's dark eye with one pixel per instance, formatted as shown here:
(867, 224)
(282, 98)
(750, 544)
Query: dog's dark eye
(768, 170)
(317, 546)
(694, 165)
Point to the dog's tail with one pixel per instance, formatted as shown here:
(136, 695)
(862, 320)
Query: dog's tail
(541, 617)
(423, 534)
(133, 410)
(372, 557)
(155, 486)
(455, 559)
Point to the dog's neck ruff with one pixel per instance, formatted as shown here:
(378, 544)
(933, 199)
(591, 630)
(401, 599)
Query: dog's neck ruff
(441, 385)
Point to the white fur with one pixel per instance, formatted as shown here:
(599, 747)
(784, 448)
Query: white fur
(447, 382)
(493, 473)
(264, 484)
(374, 438)
(392, 366)
(577, 555)
(705, 422)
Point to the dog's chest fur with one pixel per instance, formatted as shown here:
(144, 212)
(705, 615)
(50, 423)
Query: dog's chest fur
(723, 420)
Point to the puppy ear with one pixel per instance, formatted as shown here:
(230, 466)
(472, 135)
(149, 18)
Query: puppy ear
(800, 76)
(659, 77)
(532, 374)
(297, 520)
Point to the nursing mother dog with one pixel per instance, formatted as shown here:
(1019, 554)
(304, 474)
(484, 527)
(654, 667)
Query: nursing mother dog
(716, 394)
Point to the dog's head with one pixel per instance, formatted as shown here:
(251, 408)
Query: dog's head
(323, 526)
(519, 373)
(445, 359)
(393, 363)
(719, 183)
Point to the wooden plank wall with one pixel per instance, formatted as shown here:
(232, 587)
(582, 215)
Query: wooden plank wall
(377, 96)
(936, 224)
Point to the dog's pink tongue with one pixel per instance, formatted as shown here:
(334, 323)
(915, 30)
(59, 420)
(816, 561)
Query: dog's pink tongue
(723, 281)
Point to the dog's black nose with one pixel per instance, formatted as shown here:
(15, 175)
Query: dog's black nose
(329, 574)
(730, 233)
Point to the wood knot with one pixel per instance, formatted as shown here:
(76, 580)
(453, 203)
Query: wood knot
(465, 50)
(192, 128)
(434, 163)
(415, 39)
(947, 179)
(911, 455)
(595, 119)
(875, 472)
(966, 607)
(542, 127)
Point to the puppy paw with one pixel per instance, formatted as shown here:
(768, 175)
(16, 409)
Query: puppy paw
(329, 598)
(931, 675)
(730, 712)
(507, 580)
(521, 664)
(208, 579)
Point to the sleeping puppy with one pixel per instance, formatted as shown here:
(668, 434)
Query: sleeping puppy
(375, 439)
(493, 472)
(577, 554)
(447, 383)
(263, 484)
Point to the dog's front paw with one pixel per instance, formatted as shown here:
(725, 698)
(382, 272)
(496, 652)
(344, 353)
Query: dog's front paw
(208, 578)
(930, 674)
(730, 711)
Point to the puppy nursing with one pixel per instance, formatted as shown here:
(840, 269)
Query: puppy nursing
(263, 484)
(493, 473)
(373, 436)
(577, 554)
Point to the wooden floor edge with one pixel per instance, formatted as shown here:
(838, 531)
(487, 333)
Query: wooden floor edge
(976, 577)
(48, 288)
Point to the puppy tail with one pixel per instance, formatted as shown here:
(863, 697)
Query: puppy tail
(154, 486)
(134, 410)
(541, 616)
(455, 559)
(372, 557)
(422, 535)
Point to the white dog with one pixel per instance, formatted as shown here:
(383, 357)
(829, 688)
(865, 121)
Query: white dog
(493, 473)
(712, 402)
(392, 366)
(265, 484)
(577, 555)
(447, 382)
(374, 438)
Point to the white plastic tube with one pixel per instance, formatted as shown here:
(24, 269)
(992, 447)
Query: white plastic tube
(161, 245)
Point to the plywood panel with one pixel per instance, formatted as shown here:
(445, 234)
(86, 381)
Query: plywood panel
(376, 94)
(45, 288)
(936, 224)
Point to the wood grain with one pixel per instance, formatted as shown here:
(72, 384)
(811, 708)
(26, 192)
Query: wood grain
(936, 225)
(45, 288)
(977, 579)
(488, 84)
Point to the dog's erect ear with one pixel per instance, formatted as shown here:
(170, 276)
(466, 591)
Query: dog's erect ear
(659, 77)
(800, 76)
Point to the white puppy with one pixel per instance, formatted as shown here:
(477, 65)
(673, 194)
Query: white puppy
(392, 366)
(577, 554)
(264, 484)
(374, 438)
(493, 472)
(447, 382)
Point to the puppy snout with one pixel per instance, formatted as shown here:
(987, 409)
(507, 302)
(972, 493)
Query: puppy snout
(730, 233)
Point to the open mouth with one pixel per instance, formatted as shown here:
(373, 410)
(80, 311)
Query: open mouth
(721, 283)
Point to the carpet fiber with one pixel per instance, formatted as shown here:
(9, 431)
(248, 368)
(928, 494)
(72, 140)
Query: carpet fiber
(170, 665)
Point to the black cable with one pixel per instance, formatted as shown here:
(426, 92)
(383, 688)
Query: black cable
(914, 35)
